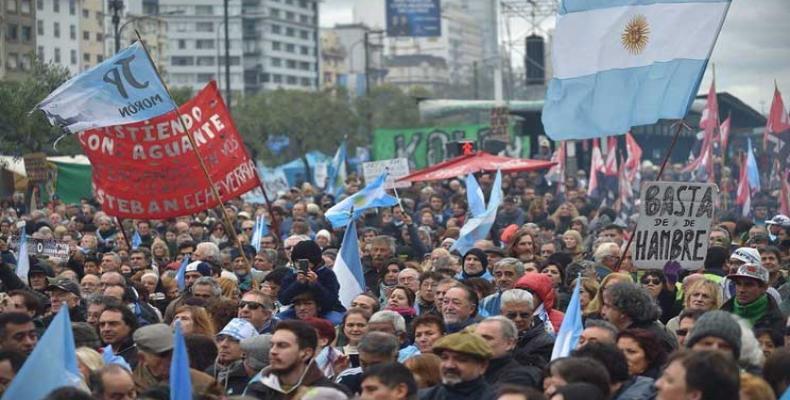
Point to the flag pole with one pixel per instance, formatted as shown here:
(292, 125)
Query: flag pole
(193, 144)
(123, 232)
(679, 125)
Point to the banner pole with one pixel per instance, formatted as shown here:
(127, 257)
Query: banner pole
(679, 127)
(123, 232)
(228, 224)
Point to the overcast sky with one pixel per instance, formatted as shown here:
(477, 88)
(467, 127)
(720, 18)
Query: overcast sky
(753, 48)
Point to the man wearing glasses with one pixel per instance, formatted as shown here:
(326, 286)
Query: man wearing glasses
(258, 309)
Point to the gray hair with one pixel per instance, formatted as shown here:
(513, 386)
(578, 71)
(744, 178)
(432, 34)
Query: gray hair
(387, 240)
(601, 324)
(211, 250)
(216, 291)
(633, 301)
(391, 317)
(508, 327)
(511, 262)
(379, 343)
(518, 296)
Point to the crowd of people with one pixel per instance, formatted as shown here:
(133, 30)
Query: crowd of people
(431, 323)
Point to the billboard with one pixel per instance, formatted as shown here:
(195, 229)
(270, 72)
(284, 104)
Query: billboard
(414, 18)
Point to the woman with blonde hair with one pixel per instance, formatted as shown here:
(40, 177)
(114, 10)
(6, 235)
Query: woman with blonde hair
(160, 253)
(703, 295)
(573, 243)
(594, 308)
(194, 320)
(88, 360)
(563, 216)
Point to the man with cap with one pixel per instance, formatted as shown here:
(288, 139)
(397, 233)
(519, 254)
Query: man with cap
(241, 266)
(194, 271)
(751, 301)
(474, 265)
(311, 276)
(716, 330)
(778, 228)
(256, 353)
(155, 348)
(65, 292)
(464, 360)
(228, 369)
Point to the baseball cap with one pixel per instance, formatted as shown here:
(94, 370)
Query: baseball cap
(753, 271)
(199, 266)
(746, 254)
(779, 219)
(66, 285)
(239, 329)
(154, 338)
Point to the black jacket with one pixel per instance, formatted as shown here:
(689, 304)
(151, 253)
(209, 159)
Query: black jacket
(507, 371)
(325, 290)
(534, 347)
(773, 318)
(233, 378)
(477, 389)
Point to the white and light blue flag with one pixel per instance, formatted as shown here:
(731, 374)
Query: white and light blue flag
(623, 63)
(180, 379)
(258, 232)
(23, 260)
(137, 240)
(348, 267)
(123, 89)
(571, 327)
(336, 183)
(372, 196)
(751, 169)
(474, 196)
(478, 227)
(51, 365)
(181, 274)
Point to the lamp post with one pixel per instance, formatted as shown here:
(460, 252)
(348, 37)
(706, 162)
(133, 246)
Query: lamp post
(367, 57)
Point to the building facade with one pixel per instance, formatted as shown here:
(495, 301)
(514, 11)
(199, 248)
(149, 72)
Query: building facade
(58, 35)
(18, 38)
(424, 71)
(91, 32)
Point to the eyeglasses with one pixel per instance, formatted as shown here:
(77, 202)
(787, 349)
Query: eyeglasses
(514, 315)
(246, 229)
(681, 332)
(252, 305)
(651, 281)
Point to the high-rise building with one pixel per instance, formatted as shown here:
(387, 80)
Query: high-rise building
(17, 38)
(91, 33)
(58, 33)
(344, 45)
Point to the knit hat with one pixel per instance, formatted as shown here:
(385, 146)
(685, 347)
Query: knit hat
(717, 324)
(256, 350)
(307, 249)
(480, 254)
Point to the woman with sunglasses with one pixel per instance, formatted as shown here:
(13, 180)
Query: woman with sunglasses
(655, 283)
(703, 295)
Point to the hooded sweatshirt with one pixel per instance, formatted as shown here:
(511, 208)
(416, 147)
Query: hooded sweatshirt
(541, 285)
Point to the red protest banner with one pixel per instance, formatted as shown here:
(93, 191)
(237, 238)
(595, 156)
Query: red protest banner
(148, 170)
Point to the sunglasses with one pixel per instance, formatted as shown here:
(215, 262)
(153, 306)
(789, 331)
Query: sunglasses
(514, 315)
(681, 332)
(651, 281)
(252, 305)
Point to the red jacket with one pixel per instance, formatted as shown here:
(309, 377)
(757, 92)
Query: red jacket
(542, 286)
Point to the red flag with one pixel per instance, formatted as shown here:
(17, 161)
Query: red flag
(744, 193)
(724, 135)
(634, 160)
(557, 172)
(611, 157)
(624, 185)
(778, 120)
(710, 115)
(702, 158)
(596, 166)
(784, 194)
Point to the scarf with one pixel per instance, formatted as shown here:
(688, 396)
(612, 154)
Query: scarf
(543, 315)
(752, 311)
(405, 312)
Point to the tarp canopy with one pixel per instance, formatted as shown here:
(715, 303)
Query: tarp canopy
(476, 162)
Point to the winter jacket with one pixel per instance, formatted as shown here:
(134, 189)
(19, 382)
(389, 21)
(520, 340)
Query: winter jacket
(534, 346)
(507, 371)
(325, 290)
(636, 388)
(233, 378)
(477, 389)
(202, 383)
(266, 386)
(773, 318)
(542, 286)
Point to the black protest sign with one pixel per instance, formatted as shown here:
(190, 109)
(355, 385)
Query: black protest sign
(674, 223)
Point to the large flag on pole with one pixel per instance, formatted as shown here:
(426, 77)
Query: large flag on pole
(751, 168)
(348, 267)
(478, 227)
(596, 166)
(709, 120)
(474, 196)
(778, 120)
(634, 160)
(337, 172)
(571, 327)
(619, 64)
(372, 196)
(744, 193)
(724, 135)
(53, 363)
(258, 232)
(123, 89)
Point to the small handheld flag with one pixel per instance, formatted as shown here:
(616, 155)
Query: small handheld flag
(348, 267)
(181, 274)
(180, 380)
(23, 260)
(372, 196)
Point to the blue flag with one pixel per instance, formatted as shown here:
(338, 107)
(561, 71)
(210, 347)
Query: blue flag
(372, 196)
(53, 363)
(751, 168)
(109, 357)
(571, 327)
(181, 274)
(180, 380)
(474, 196)
(258, 232)
(335, 185)
(348, 267)
(136, 240)
(619, 64)
(23, 261)
(478, 227)
(123, 89)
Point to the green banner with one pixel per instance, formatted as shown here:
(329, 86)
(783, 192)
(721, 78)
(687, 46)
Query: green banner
(73, 182)
(426, 146)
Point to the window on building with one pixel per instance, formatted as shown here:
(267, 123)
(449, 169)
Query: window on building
(304, 34)
(40, 53)
(56, 5)
(24, 6)
(86, 35)
(10, 6)
(276, 29)
(73, 32)
(204, 44)
(99, 58)
(13, 61)
(57, 55)
(277, 62)
(86, 57)
(291, 64)
(204, 78)
(276, 45)
(12, 33)
(205, 61)
(73, 57)
(290, 32)
(182, 60)
(290, 16)
(290, 48)
(234, 60)
(277, 78)
(275, 13)
(56, 28)
(291, 80)
(303, 3)
(26, 64)
(304, 19)
(40, 27)
(40, 4)
(204, 27)
(307, 82)
(305, 50)
(204, 10)
(265, 77)
(304, 65)
(289, 2)
(86, 13)
(27, 33)
(99, 36)
(72, 7)
(182, 44)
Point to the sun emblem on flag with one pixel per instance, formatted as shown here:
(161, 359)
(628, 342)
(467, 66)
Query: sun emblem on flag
(635, 36)
(359, 201)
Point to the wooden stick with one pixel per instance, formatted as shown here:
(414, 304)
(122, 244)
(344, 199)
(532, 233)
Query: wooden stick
(123, 232)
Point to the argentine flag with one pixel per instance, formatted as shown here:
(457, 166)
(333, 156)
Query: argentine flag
(180, 379)
(622, 63)
(571, 327)
(474, 196)
(751, 168)
(348, 267)
(258, 232)
(372, 196)
(335, 185)
(23, 260)
(478, 227)
(136, 240)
